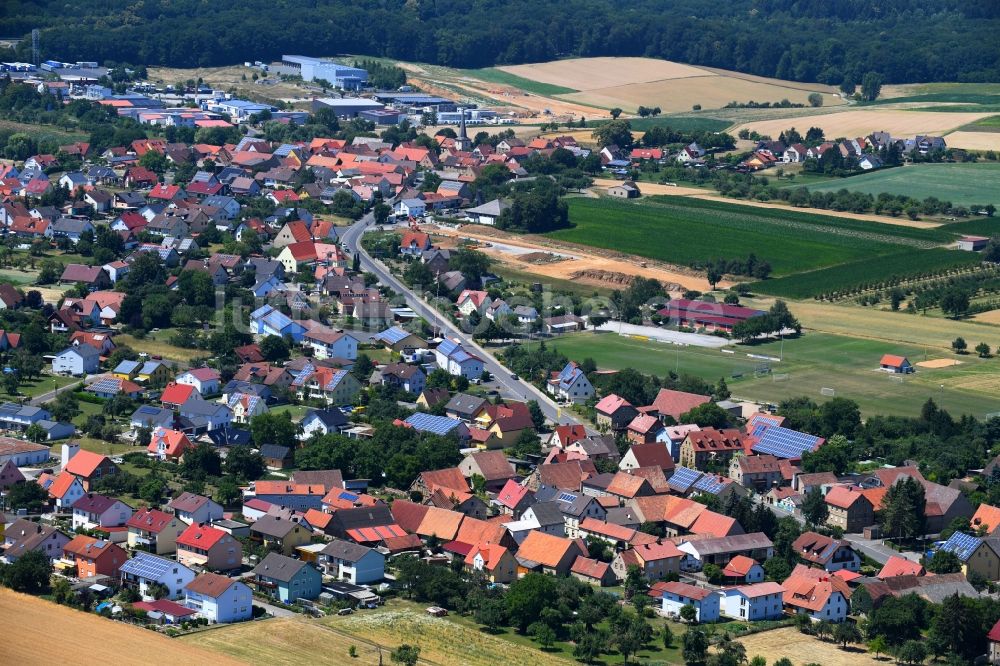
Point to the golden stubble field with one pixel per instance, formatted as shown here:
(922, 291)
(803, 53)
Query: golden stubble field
(41, 632)
(674, 87)
(861, 122)
(800, 648)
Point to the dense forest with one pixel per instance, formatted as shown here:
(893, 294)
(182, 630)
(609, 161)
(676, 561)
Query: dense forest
(804, 40)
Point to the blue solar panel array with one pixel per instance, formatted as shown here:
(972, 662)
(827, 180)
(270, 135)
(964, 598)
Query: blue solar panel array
(709, 484)
(147, 566)
(962, 545)
(567, 497)
(683, 478)
(106, 385)
(438, 425)
(392, 335)
(783, 442)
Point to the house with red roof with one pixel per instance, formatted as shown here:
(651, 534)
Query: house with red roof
(897, 365)
(65, 490)
(547, 553)
(593, 572)
(709, 445)
(471, 300)
(653, 454)
(513, 499)
(848, 508)
(202, 545)
(656, 560)
(675, 595)
(414, 243)
(826, 552)
(175, 395)
(497, 563)
(206, 380)
(645, 429)
(994, 639)
(90, 467)
(742, 569)
(985, 520)
(822, 597)
(614, 412)
(93, 557)
(154, 531)
(94, 511)
(168, 444)
(900, 566)
(166, 192)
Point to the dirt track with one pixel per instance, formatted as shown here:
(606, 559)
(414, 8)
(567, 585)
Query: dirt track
(584, 268)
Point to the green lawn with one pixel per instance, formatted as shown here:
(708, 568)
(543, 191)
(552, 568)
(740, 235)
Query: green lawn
(525, 280)
(44, 384)
(682, 230)
(44, 133)
(812, 362)
(967, 184)
(108, 448)
(296, 411)
(493, 75)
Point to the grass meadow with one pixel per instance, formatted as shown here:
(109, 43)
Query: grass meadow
(967, 184)
(812, 362)
(493, 75)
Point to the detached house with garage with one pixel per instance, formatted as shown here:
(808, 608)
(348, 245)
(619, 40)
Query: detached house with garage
(287, 579)
(819, 595)
(352, 563)
(145, 570)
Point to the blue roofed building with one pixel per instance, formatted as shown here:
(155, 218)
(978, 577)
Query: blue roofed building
(399, 340)
(978, 555)
(453, 358)
(782, 442)
(571, 384)
(265, 320)
(437, 425)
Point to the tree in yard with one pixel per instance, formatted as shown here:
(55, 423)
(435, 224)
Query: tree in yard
(713, 574)
(814, 507)
(630, 636)
(363, 367)
(202, 460)
(959, 345)
(689, 613)
(944, 562)
(823, 629)
(815, 99)
(11, 381)
(615, 112)
(537, 417)
(274, 429)
(36, 433)
(542, 633)
(527, 597)
(29, 573)
(492, 614)
(695, 650)
(667, 636)
(955, 627)
(955, 302)
(589, 647)
(983, 350)
(227, 493)
(708, 415)
(758, 660)
(635, 581)
(903, 509)
(912, 652)
(615, 132)
(713, 275)
(871, 86)
(243, 463)
(847, 632)
(861, 601)
(877, 644)
(274, 348)
(28, 496)
(406, 654)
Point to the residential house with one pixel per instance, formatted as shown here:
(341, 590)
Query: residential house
(464, 407)
(757, 473)
(409, 378)
(328, 343)
(94, 511)
(352, 563)
(193, 509)
(145, 570)
(204, 546)
(282, 534)
(492, 466)
(453, 358)
(702, 448)
(287, 579)
(720, 550)
(751, 603)
(93, 557)
(154, 531)
(614, 413)
(979, 556)
(849, 509)
(593, 572)
(826, 552)
(322, 422)
(657, 560)
(676, 595)
(65, 490)
(336, 387)
(496, 562)
(77, 361)
(89, 466)
(570, 384)
(547, 554)
(206, 380)
(742, 569)
(219, 599)
(168, 444)
(826, 597)
(24, 536)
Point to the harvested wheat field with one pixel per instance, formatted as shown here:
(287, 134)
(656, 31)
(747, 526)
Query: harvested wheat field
(591, 73)
(862, 122)
(988, 317)
(801, 648)
(32, 625)
(654, 188)
(711, 91)
(974, 140)
(938, 363)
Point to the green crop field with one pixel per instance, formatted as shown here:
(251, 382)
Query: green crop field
(683, 230)
(493, 75)
(966, 184)
(848, 275)
(812, 362)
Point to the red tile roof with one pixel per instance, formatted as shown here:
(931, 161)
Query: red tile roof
(177, 394)
(584, 566)
(201, 536)
(149, 520)
(687, 590)
(84, 463)
(675, 403)
(900, 566)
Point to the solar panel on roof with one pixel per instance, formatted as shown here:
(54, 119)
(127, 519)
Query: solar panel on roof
(683, 478)
(962, 545)
(567, 497)
(438, 425)
(708, 484)
(784, 442)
